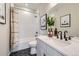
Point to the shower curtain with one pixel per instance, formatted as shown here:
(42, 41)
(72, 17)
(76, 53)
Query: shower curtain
(24, 26)
(13, 28)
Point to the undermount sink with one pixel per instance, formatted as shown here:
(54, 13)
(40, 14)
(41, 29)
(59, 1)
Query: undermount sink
(61, 42)
(65, 43)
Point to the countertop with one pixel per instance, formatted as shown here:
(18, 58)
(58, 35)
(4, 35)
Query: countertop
(67, 48)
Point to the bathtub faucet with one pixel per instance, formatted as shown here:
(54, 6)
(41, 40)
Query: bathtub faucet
(36, 34)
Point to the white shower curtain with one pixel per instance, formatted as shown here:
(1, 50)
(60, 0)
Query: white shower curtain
(24, 26)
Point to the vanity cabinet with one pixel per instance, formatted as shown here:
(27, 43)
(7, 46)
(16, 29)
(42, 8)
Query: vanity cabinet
(52, 52)
(44, 49)
(41, 48)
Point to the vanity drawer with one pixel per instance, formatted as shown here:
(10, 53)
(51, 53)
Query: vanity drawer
(52, 52)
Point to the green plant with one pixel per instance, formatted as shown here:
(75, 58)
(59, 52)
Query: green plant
(50, 21)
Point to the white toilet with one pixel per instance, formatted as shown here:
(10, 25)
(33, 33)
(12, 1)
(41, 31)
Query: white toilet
(32, 45)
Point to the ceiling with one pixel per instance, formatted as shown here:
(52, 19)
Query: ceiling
(33, 6)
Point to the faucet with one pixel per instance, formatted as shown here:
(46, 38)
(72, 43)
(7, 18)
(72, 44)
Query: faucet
(36, 34)
(65, 37)
(60, 34)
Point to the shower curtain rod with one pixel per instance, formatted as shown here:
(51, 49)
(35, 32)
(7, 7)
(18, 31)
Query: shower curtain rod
(25, 10)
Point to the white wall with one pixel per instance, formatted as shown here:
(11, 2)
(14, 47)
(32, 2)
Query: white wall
(45, 10)
(64, 9)
(4, 35)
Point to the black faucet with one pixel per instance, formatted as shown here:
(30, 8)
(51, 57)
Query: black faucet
(36, 34)
(60, 32)
(65, 37)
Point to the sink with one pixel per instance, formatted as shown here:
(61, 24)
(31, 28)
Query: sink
(59, 42)
(65, 43)
(75, 39)
(62, 42)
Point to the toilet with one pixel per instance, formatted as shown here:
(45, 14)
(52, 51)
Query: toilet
(32, 45)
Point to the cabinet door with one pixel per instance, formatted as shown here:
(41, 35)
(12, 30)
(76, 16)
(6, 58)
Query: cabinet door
(38, 48)
(41, 49)
(52, 52)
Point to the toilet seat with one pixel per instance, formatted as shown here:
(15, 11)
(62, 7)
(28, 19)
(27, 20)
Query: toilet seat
(33, 43)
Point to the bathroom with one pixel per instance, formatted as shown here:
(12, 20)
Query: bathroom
(34, 28)
(27, 21)
(28, 33)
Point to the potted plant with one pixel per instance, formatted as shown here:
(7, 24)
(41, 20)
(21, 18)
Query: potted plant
(50, 23)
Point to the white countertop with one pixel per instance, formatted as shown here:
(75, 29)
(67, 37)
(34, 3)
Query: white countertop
(69, 48)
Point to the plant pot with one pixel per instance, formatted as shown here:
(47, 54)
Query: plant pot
(50, 32)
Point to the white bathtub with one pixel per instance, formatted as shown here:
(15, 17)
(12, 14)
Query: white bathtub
(22, 44)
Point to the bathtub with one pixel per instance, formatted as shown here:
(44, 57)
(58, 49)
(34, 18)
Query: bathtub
(22, 44)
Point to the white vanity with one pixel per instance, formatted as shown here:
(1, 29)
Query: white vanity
(56, 47)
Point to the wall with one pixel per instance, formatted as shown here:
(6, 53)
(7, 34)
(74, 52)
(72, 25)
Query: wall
(63, 9)
(45, 10)
(4, 35)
